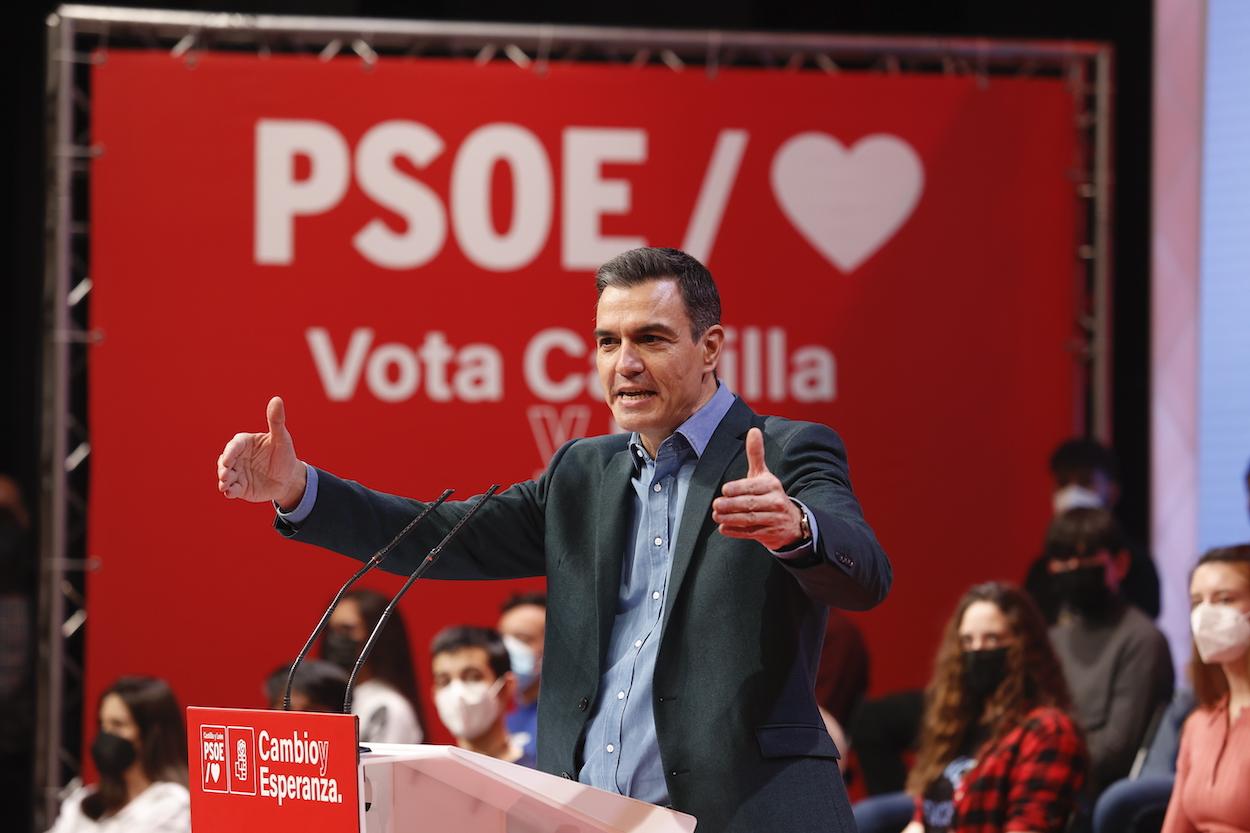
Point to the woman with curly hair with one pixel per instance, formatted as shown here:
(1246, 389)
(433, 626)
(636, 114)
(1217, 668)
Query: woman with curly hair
(998, 751)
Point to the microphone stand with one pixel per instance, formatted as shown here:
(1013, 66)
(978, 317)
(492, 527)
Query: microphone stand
(378, 558)
(416, 574)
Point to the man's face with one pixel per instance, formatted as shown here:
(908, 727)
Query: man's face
(527, 624)
(654, 375)
(469, 665)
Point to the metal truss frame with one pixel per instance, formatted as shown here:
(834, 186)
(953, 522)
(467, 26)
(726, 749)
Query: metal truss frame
(80, 36)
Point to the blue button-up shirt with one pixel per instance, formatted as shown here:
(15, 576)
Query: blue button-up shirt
(621, 752)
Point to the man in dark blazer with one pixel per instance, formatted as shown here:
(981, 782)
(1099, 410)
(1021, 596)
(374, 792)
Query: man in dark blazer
(689, 566)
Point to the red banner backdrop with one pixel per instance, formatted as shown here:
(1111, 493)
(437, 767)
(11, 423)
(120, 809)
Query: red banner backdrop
(405, 253)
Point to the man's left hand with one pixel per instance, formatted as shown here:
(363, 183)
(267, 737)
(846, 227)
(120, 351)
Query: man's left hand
(756, 507)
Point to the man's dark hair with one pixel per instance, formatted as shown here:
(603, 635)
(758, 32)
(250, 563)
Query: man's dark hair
(458, 637)
(694, 281)
(323, 683)
(1081, 532)
(1076, 460)
(522, 599)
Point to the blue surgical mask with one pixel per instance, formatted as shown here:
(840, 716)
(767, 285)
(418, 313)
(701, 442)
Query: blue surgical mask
(525, 666)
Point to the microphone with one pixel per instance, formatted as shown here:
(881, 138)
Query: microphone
(378, 558)
(416, 574)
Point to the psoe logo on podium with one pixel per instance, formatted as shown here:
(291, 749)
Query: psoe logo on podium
(213, 759)
(241, 751)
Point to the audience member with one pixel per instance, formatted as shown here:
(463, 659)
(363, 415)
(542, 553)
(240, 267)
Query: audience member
(1116, 662)
(1087, 476)
(385, 697)
(140, 752)
(883, 731)
(998, 751)
(834, 728)
(472, 689)
(319, 686)
(1212, 791)
(1137, 804)
(523, 626)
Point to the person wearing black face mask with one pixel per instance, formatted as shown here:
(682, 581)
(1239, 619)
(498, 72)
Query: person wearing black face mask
(983, 672)
(1117, 663)
(385, 697)
(140, 752)
(998, 750)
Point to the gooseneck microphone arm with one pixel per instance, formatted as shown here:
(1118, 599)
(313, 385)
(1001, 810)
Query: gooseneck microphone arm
(378, 558)
(425, 565)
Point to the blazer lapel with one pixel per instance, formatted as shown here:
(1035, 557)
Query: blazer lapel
(727, 443)
(614, 515)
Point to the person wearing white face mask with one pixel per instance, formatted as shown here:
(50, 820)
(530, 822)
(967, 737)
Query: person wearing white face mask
(1213, 768)
(473, 686)
(523, 625)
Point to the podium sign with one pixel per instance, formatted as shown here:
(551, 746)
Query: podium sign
(252, 769)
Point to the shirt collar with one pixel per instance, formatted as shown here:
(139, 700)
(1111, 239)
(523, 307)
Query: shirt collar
(697, 430)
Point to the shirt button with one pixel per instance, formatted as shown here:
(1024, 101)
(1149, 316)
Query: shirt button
(637, 643)
(659, 541)
(611, 748)
(657, 487)
(656, 595)
(620, 695)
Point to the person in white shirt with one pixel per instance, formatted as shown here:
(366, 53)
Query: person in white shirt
(385, 697)
(140, 751)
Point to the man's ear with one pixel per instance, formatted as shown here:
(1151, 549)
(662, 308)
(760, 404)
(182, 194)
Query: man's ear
(507, 691)
(712, 341)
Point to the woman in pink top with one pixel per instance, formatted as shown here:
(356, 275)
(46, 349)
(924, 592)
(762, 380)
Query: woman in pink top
(1212, 792)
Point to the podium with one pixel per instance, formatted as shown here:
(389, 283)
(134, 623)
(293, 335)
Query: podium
(253, 770)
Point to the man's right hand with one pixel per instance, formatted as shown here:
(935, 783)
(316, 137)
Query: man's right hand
(260, 467)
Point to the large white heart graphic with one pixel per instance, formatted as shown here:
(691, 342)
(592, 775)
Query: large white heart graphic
(847, 203)
(214, 769)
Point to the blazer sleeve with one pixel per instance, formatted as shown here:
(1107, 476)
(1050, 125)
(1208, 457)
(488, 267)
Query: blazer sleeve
(505, 539)
(848, 568)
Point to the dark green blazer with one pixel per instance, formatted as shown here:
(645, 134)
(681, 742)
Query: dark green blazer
(743, 745)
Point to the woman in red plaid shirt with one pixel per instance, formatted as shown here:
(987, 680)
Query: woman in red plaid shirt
(998, 752)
